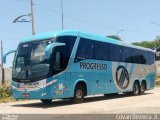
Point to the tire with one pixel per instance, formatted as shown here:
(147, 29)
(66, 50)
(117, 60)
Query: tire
(136, 89)
(46, 101)
(79, 94)
(142, 88)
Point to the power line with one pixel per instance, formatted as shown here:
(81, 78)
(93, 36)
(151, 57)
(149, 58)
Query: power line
(4, 48)
(24, 1)
(9, 38)
(8, 31)
(74, 18)
(51, 10)
(90, 23)
(85, 21)
(59, 13)
(71, 17)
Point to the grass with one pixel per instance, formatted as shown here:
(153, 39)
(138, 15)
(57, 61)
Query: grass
(5, 93)
(7, 99)
(158, 81)
(158, 85)
(158, 77)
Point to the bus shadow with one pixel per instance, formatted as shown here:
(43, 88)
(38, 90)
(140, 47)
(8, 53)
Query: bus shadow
(67, 102)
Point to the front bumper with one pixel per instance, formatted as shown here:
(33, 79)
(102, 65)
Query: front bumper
(38, 94)
(35, 90)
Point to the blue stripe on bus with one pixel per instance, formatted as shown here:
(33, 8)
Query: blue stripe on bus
(131, 70)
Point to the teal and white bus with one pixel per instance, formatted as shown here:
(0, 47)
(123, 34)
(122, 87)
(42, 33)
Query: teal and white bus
(74, 64)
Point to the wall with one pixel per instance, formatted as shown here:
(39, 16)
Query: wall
(8, 74)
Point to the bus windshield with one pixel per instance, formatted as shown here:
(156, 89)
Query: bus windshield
(30, 63)
(30, 60)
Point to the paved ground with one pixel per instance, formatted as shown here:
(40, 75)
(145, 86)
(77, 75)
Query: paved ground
(148, 103)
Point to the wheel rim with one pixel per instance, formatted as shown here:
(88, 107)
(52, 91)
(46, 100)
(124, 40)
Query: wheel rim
(79, 94)
(142, 88)
(136, 89)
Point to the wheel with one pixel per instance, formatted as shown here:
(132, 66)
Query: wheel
(78, 94)
(136, 89)
(142, 88)
(46, 101)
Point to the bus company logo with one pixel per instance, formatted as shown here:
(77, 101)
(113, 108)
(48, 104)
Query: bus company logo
(122, 77)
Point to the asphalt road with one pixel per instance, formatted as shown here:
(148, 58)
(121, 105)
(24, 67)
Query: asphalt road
(148, 103)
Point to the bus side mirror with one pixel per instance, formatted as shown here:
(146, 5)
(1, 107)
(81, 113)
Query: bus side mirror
(5, 55)
(50, 47)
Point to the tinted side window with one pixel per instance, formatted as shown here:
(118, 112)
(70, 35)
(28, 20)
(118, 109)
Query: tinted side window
(141, 57)
(132, 55)
(126, 55)
(115, 52)
(135, 55)
(61, 54)
(67, 49)
(150, 57)
(101, 50)
(85, 49)
(69, 41)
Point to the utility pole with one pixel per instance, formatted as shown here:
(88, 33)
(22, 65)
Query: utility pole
(18, 19)
(62, 13)
(3, 80)
(32, 15)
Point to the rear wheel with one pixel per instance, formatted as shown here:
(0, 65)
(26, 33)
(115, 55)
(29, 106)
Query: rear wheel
(136, 89)
(78, 94)
(142, 88)
(46, 101)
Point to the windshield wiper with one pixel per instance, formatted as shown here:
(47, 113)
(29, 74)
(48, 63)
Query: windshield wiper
(24, 68)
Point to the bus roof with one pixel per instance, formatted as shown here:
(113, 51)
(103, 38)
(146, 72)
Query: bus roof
(55, 34)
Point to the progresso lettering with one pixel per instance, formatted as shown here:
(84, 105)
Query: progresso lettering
(93, 66)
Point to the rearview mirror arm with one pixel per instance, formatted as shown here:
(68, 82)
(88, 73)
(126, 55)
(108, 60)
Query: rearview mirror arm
(6, 54)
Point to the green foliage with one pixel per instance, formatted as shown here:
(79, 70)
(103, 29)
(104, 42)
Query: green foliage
(5, 94)
(158, 83)
(148, 44)
(5, 91)
(115, 37)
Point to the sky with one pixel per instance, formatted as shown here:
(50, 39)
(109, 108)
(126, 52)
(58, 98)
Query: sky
(137, 20)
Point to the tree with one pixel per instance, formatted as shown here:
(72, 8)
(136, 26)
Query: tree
(148, 44)
(114, 37)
